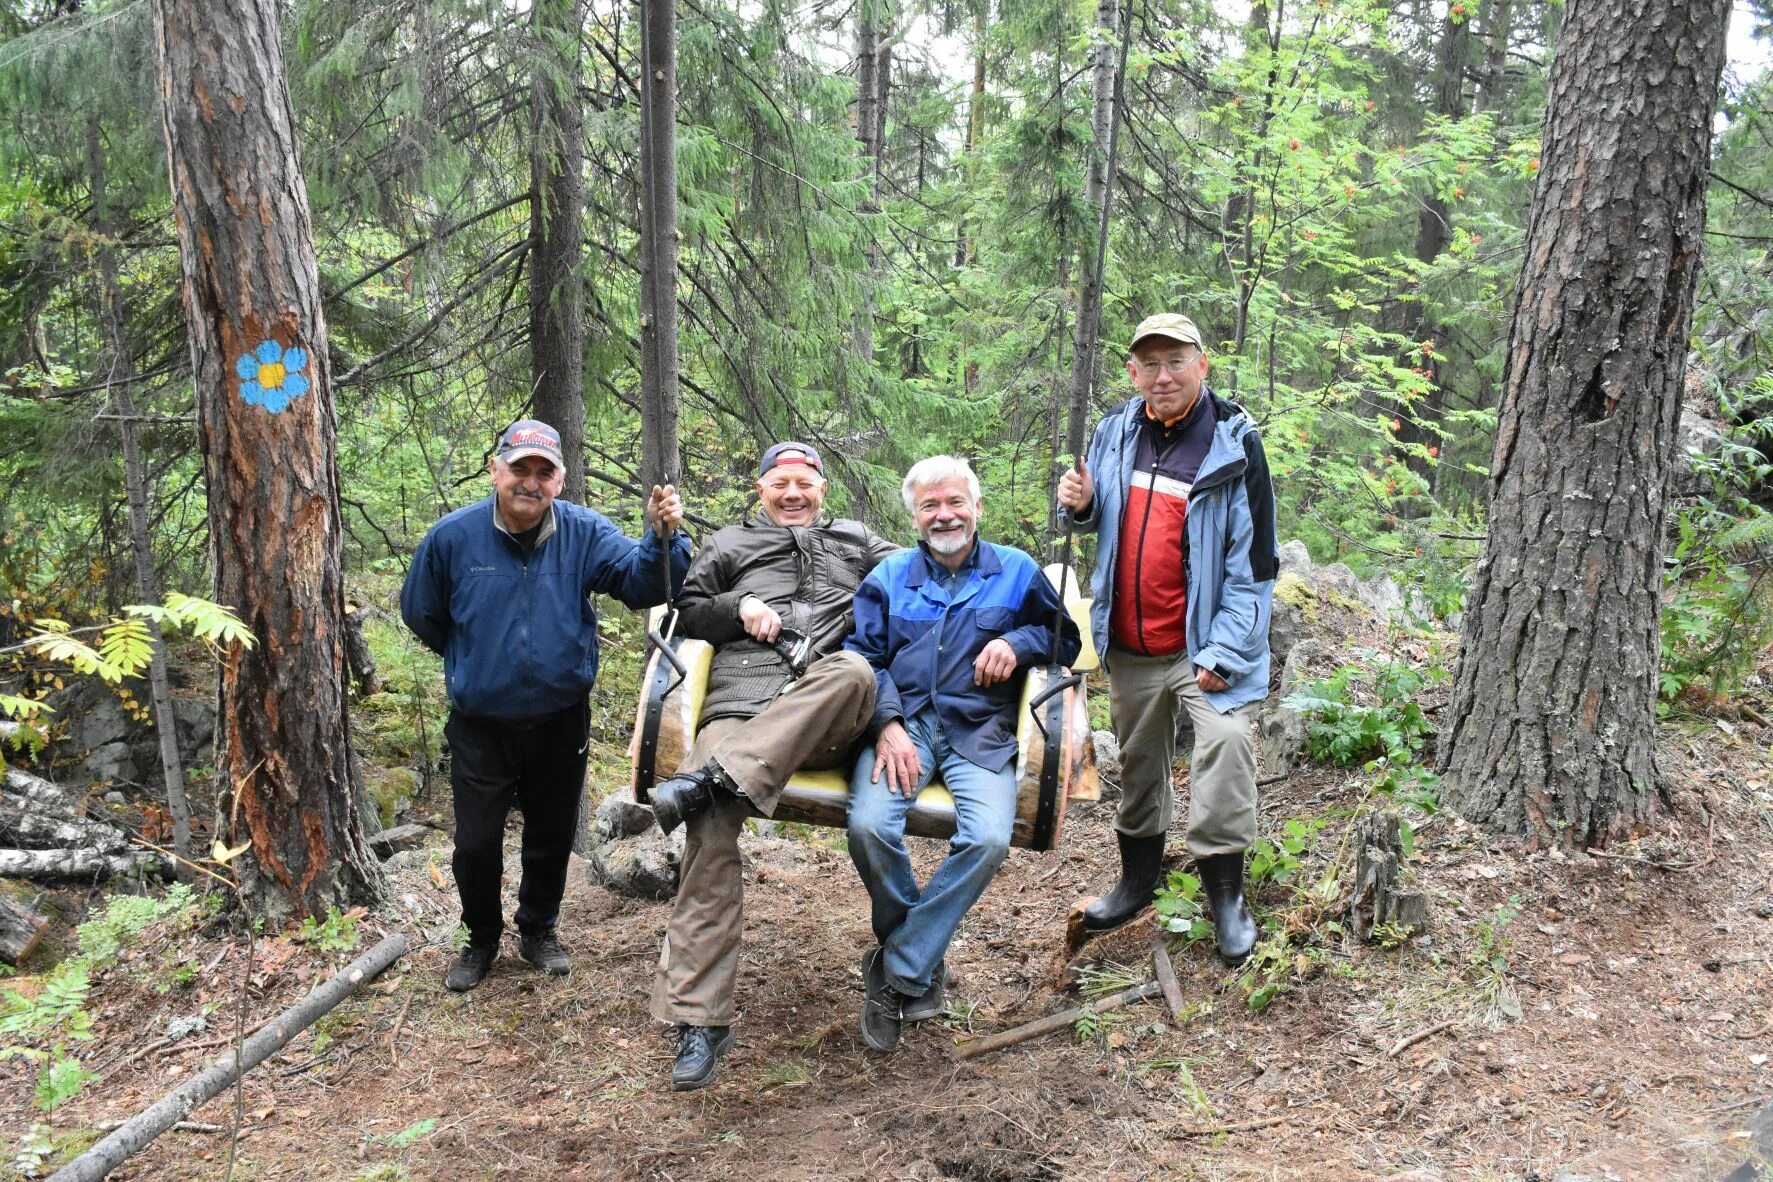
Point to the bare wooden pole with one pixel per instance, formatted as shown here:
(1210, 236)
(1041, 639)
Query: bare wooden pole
(1062, 1020)
(136, 1133)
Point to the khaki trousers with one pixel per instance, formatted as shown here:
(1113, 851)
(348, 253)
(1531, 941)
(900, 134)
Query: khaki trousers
(1145, 694)
(813, 725)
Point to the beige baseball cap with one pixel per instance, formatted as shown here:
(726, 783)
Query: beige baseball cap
(1168, 324)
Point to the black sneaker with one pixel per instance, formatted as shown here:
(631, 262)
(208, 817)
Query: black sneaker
(699, 1049)
(543, 952)
(931, 1001)
(883, 1010)
(472, 965)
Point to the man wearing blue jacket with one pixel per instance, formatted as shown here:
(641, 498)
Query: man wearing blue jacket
(1177, 487)
(949, 628)
(502, 590)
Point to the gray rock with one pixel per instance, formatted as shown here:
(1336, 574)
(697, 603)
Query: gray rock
(640, 867)
(1107, 755)
(1295, 559)
(1381, 596)
(1696, 438)
(103, 724)
(111, 762)
(1336, 581)
(620, 816)
(1282, 730)
(116, 798)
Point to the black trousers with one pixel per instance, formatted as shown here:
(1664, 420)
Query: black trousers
(538, 766)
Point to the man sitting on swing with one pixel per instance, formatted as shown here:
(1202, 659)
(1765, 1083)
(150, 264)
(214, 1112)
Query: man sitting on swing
(949, 628)
(773, 596)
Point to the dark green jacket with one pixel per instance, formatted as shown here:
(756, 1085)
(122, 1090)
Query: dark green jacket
(808, 574)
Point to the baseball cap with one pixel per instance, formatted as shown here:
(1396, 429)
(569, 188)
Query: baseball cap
(530, 437)
(1168, 324)
(790, 452)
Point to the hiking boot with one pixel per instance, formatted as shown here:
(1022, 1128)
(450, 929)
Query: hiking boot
(1234, 928)
(699, 1049)
(472, 965)
(544, 953)
(1141, 869)
(883, 1011)
(687, 794)
(931, 1001)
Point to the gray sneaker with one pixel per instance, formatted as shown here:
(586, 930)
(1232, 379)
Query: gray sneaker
(472, 965)
(932, 1001)
(543, 952)
(883, 1010)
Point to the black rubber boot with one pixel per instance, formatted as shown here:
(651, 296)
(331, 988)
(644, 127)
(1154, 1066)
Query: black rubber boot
(1141, 869)
(1234, 928)
(686, 794)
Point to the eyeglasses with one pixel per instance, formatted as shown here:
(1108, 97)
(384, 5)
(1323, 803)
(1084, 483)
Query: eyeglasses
(1177, 366)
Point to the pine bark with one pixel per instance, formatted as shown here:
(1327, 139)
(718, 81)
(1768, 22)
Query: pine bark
(557, 203)
(1553, 707)
(251, 287)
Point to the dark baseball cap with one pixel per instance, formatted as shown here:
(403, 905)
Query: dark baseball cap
(790, 452)
(530, 437)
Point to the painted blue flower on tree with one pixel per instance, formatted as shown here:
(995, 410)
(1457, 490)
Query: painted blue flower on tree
(271, 377)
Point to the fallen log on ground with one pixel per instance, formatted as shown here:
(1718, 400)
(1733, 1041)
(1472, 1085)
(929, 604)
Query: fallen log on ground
(140, 1130)
(77, 863)
(20, 929)
(40, 792)
(1063, 1020)
(33, 825)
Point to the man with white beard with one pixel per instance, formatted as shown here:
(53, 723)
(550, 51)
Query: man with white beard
(949, 628)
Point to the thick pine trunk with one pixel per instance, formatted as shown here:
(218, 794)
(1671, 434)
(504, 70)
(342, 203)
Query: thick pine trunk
(557, 202)
(265, 414)
(1553, 709)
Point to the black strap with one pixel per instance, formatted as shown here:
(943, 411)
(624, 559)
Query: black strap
(658, 686)
(1046, 809)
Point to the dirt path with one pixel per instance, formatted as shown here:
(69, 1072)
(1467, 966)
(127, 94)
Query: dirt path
(1640, 1049)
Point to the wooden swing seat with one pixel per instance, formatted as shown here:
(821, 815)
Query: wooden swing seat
(1048, 773)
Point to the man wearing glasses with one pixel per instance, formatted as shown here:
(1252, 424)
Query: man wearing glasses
(1176, 486)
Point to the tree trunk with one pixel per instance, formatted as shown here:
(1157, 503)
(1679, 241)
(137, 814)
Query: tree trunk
(1553, 707)
(658, 242)
(1107, 54)
(557, 202)
(1434, 229)
(265, 416)
(121, 373)
(1496, 29)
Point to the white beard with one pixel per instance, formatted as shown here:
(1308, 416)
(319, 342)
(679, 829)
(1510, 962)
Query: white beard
(950, 541)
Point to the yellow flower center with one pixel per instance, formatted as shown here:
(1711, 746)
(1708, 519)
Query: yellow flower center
(271, 376)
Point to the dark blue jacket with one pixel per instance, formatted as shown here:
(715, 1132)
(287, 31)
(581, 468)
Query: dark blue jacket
(517, 632)
(922, 643)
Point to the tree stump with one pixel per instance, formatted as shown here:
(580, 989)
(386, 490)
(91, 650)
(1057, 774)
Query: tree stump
(20, 929)
(1378, 895)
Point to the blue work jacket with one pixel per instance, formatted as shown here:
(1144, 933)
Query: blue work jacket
(922, 640)
(517, 631)
(1233, 555)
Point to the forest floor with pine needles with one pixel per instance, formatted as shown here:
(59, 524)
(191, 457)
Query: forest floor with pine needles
(1604, 1015)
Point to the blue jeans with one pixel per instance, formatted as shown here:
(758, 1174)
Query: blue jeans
(914, 926)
